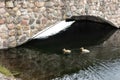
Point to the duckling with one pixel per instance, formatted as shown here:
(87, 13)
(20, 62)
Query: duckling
(66, 51)
(83, 50)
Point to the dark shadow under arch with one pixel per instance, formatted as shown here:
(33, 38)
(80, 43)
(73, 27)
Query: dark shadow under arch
(81, 33)
(91, 18)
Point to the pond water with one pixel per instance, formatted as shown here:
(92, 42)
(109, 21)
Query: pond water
(43, 59)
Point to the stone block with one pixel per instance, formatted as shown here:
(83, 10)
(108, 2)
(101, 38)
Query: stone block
(19, 32)
(25, 5)
(12, 32)
(2, 4)
(9, 4)
(24, 22)
(12, 44)
(25, 28)
(2, 21)
(49, 4)
(5, 43)
(10, 26)
(31, 5)
(3, 28)
(22, 39)
(19, 27)
(39, 4)
(18, 13)
(44, 20)
(4, 35)
(12, 39)
(9, 19)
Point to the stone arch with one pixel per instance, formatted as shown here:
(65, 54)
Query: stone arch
(108, 9)
(20, 21)
(91, 18)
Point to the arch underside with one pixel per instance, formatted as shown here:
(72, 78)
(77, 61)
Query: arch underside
(91, 18)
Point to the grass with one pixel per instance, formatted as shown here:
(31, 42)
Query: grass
(5, 71)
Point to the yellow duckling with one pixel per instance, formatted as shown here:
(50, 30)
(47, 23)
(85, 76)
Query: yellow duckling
(83, 50)
(66, 51)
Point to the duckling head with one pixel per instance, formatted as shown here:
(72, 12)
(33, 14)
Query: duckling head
(82, 48)
(63, 49)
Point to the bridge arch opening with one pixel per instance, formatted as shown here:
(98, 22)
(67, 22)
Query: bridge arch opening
(91, 18)
(63, 25)
(80, 33)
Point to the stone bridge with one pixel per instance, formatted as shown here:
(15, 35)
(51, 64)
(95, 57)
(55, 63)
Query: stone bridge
(20, 20)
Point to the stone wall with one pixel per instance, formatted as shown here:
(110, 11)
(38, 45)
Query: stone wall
(106, 9)
(21, 19)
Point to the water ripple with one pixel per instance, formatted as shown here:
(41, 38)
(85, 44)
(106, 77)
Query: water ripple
(99, 71)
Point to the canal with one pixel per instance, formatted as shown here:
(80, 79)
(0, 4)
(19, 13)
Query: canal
(43, 59)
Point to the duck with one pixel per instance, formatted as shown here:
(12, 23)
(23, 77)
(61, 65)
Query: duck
(83, 50)
(66, 51)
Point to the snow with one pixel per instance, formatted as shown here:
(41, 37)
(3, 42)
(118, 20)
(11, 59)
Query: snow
(52, 30)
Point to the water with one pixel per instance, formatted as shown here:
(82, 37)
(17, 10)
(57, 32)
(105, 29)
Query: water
(44, 59)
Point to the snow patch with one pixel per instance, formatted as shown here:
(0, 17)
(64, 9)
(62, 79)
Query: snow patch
(52, 30)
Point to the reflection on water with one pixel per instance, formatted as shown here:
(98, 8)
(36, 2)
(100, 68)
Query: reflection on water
(44, 60)
(106, 66)
(101, 64)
